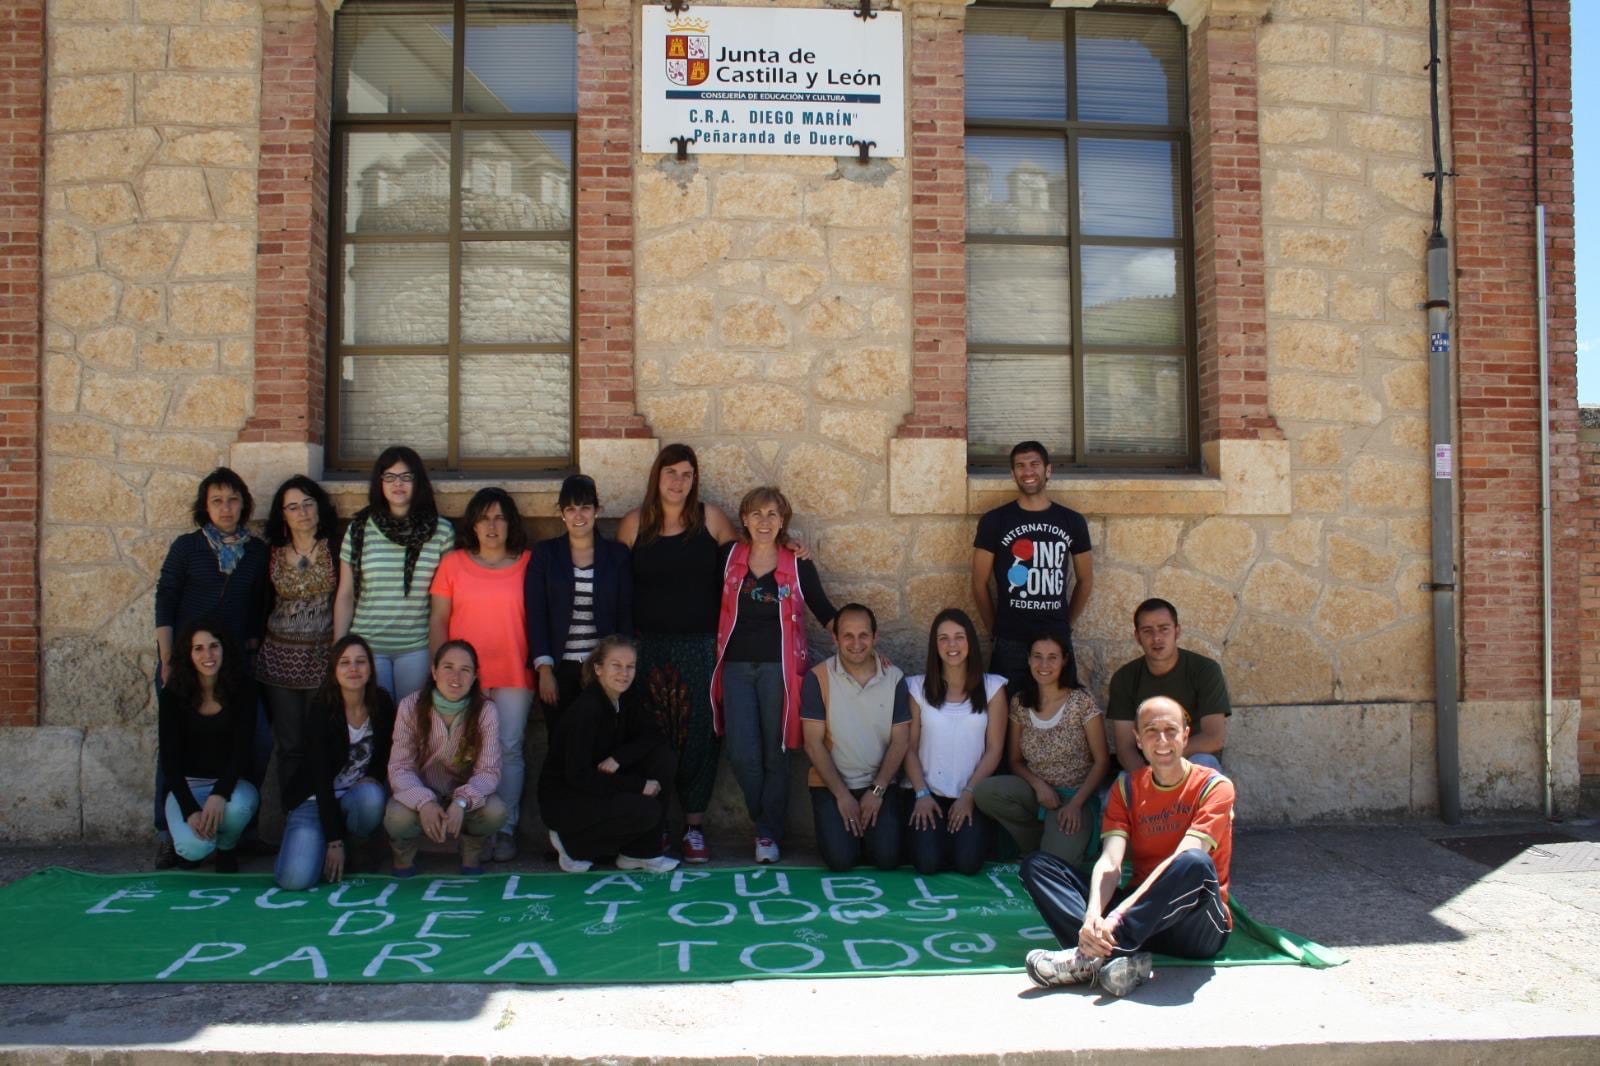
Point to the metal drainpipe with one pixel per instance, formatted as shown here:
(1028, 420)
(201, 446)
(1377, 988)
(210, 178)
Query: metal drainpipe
(1442, 498)
(1442, 516)
(1544, 512)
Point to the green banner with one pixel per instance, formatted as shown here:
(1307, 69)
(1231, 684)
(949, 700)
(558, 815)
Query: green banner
(65, 927)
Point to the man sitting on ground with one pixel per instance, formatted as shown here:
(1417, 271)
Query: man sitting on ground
(1176, 821)
(1165, 669)
(856, 715)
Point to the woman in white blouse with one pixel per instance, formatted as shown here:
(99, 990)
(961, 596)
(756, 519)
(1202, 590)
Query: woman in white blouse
(958, 733)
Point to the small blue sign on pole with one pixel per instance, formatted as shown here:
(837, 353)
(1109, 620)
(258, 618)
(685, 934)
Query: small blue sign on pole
(1439, 342)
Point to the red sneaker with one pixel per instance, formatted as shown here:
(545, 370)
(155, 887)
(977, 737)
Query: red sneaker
(694, 845)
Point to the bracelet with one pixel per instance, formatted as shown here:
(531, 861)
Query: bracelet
(965, 790)
(923, 792)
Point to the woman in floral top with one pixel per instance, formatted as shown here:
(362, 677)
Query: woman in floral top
(301, 575)
(1057, 750)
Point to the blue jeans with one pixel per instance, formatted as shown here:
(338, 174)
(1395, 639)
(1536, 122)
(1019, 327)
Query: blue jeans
(512, 706)
(842, 849)
(235, 816)
(752, 723)
(937, 850)
(304, 847)
(1182, 914)
(401, 675)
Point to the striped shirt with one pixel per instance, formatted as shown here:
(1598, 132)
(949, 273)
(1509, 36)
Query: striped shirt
(582, 638)
(391, 621)
(439, 779)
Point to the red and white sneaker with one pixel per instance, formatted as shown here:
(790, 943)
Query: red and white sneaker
(694, 845)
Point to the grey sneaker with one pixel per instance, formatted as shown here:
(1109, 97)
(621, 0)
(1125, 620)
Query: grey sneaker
(1122, 975)
(766, 851)
(659, 864)
(1066, 967)
(503, 848)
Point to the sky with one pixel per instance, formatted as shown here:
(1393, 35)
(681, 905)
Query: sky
(1586, 153)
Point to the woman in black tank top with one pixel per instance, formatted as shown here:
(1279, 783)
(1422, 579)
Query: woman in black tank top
(677, 577)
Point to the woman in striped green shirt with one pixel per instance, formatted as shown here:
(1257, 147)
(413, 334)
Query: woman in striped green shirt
(386, 563)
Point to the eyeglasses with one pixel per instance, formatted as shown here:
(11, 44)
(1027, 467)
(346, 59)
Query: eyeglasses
(399, 479)
(303, 505)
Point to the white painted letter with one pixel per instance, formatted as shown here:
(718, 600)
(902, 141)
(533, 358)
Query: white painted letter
(432, 894)
(758, 912)
(340, 930)
(216, 896)
(528, 950)
(611, 906)
(976, 944)
(105, 905)
(677, 912)
(851, 913)
(682, 876)
(908, 955)
(196, 954)
(264, 901)
(741, 884)
(510, 893)
(319, 967)
(683, 947)
(613, 879)
(391, 952)
(814, 958)
(433, 916)
(834, 887)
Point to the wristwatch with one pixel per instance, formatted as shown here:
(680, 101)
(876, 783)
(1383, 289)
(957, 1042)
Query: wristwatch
(461, 803)
(879, 790)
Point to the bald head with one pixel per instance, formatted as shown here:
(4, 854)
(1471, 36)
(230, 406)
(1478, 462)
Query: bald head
(1160, 706)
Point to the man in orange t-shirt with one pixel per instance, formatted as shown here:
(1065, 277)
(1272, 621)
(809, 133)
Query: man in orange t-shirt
(1174, 819)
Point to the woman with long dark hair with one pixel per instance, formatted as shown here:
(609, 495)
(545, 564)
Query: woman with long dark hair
(958, 732)
(218, 571)
(608, 775)
(391, 549)
(335, 795)
(762, 658)
(206, 720)
(674, 537)
(478, 597)
(444, 767)
(302, 575)
(1056, 744)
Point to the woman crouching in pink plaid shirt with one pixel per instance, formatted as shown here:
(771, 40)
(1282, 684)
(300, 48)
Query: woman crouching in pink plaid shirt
(445, 764)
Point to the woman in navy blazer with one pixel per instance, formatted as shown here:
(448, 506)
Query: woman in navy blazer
(579, 588)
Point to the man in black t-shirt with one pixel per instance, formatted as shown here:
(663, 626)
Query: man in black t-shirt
(1190, 679)
(1038, 554)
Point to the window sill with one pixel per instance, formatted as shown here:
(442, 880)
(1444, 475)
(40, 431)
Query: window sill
(1244, 477)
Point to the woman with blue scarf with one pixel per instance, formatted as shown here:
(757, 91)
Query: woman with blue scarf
(218, 570)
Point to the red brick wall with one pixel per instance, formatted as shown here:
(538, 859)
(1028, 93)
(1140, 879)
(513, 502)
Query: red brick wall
(1230, 289)
(292, 202)
(21, 211)
(605, 222)
(1589, 606)
(935, 99)
(1497, 341)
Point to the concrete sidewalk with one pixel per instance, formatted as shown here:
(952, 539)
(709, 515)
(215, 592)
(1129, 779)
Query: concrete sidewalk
(1452, 961)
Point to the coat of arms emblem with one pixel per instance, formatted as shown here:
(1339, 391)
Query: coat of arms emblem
(688, 51)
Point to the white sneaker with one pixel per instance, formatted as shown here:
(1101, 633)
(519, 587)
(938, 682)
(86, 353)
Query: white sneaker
(568, 863)
(658, 865)
(1065, 967)
(766, 851)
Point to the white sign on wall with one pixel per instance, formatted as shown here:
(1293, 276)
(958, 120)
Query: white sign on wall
(773, 81)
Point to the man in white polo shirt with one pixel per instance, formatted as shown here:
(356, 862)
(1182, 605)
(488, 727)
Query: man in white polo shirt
(856, 716)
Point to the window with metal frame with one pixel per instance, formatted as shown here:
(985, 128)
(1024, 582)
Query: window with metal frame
(451, 268)
(1080, 313)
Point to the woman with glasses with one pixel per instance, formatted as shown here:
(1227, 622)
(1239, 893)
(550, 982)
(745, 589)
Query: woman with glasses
(391, 549)
(301, 578)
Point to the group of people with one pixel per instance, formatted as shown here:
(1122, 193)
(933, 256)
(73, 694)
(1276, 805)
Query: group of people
(397, 667)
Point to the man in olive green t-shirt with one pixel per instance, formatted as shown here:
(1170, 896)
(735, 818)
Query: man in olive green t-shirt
(1165, 669)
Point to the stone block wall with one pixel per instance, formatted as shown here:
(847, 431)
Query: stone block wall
(150, 265)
